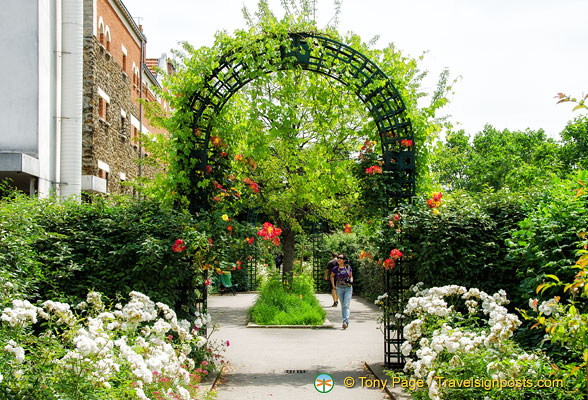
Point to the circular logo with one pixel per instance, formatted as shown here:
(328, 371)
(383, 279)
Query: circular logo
(324, 383)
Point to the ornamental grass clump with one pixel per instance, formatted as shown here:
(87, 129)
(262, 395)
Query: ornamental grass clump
(279, 304)
(458, 343)
(141, 350)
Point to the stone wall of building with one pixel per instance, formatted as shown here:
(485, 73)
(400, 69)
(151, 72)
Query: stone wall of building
(109, 139)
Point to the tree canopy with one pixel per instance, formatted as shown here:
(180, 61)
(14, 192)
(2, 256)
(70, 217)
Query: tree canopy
(495, 159)
(574, 152)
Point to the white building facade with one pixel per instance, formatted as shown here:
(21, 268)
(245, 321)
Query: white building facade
(41, 110)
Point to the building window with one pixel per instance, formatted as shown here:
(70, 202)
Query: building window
(124, 62)
(102, 105)
(101, 31)
(107, 38)
(135, 76)
(123, 128)
(123, 186)
(103, 171)
(104, 175)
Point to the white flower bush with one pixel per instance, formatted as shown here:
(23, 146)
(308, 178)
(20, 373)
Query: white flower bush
(21, 313)
(455, 333)
(381, 299)
(18, 351)
(140, 348)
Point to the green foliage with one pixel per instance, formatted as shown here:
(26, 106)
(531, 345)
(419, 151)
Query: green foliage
(231, 244)
(19, 230)
(462, 244)
(280, 305)
(351, 245)
(580, 104)
(299, 130)
(566, 323)
(546, 241)
(59, 250)
(546, 246)
(374, 190)
(496, 159)
(574, 151)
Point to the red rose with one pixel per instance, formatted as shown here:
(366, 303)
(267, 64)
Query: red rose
(178, 246)
(389, 263)
(396, 254)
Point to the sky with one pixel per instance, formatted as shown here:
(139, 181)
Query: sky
(511, 57)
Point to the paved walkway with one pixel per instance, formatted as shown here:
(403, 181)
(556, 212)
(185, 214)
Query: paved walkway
(282, 363)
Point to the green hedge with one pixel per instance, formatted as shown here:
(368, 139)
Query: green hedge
(494, 240)
(367, 278)
(60, 250)
(463, 244)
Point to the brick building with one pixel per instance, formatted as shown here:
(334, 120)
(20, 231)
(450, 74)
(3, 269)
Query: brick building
(78, 124)
(116, 77)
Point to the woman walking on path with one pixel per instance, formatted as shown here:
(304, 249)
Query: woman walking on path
(342, 279)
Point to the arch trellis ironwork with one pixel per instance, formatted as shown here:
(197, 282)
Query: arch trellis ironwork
(318, 264)
(329, 57)
(251, 260)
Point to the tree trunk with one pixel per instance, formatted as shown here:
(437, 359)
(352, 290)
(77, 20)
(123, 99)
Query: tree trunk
(288, 241)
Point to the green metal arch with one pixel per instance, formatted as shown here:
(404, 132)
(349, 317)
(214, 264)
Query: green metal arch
(327, 57)
(340, 62)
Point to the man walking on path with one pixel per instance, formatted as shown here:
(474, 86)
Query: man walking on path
(330, 265)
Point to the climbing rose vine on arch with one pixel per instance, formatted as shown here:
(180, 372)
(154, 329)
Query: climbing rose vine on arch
(374, 169)
(435, 202)
(270, 233)
(390, 262)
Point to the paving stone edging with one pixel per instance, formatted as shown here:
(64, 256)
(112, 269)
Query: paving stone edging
(380, 378)
(394, 392)
(219, 376)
